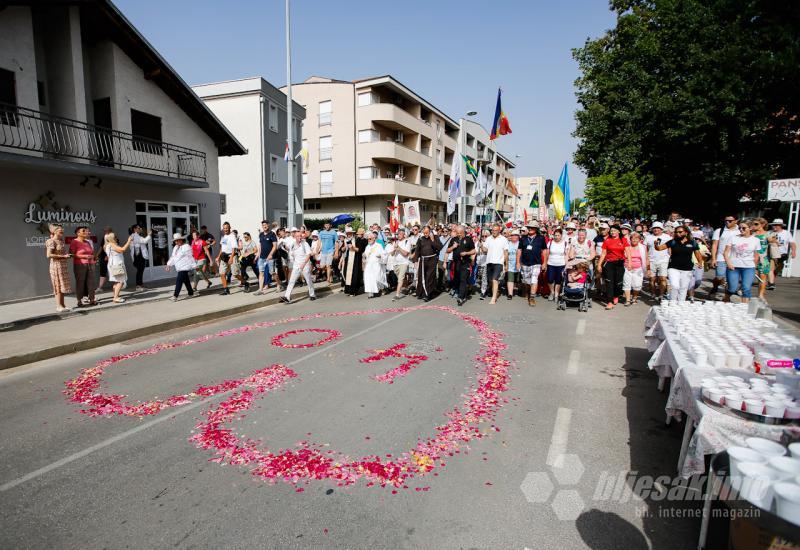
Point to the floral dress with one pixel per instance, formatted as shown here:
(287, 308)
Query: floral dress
(763, 262)
(59, 267)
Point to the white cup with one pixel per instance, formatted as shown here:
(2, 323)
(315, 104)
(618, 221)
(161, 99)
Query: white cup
(755, 406)
(794, 450)
(787, 501)
(740, 455)
(717, 395)
(775, 408)
(786, 466)
(792, 411)
(734, 401)
(766, 447)
(756, 483)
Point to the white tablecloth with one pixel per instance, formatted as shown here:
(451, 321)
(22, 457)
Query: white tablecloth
(715, 431)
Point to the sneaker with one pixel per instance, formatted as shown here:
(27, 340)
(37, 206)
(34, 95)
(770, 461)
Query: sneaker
(174, 298)
(208, 284)
(283, 300)
(509, 297)
(771, 287)
(312, 298)
(482, 297)
(225, 292)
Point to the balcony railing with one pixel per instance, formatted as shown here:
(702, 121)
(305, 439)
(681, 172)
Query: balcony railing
(56, 137)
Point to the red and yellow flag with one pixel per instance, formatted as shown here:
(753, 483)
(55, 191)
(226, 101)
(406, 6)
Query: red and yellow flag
(500, 125)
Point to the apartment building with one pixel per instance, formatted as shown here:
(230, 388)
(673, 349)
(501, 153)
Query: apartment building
(256, 185)
(96, 129)
(368, 140)
(527, 187)
(498, 169)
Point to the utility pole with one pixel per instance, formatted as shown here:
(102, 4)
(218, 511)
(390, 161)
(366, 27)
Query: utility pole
(290, 200)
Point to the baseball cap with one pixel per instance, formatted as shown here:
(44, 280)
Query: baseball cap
(657, 225)
(315, 233)
(515, 232)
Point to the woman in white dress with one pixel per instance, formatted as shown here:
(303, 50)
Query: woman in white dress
(116, 263)
(374, 269)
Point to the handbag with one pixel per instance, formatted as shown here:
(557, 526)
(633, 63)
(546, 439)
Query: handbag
(774, 251)
(117, 270)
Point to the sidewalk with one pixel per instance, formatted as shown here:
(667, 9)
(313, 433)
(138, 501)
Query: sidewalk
(32, 331)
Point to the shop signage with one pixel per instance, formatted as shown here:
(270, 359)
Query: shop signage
(38, 215)
(787, 190)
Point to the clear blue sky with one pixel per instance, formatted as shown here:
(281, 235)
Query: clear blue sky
(453, 53)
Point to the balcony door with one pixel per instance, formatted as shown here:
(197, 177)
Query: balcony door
(104, 146)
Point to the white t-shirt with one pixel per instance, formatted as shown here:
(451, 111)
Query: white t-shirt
(299, 253)
(784, 238)
(742, 249)
(558, 253)
(656, 256)
(495, 249)
(724, 240)
(591, 234)
(399, 259)
(227, 243)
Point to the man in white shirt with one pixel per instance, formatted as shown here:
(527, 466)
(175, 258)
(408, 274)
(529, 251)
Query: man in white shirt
(227, 244)
(140, 253)
(399, 253)
(496, 248)
(786, 247)
(722, 237)
(300, 257)
(659, 260)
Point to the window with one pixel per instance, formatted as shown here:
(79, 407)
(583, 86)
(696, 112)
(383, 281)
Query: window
(273, 169)
(325, 112)
(273, 117)
(367, 173)
(325, 148)
(146, 130)
(8, 94)
(439, 159)
(367, 98)
(305, 179)
(367, 136)
(298, 129)
(439, 131)
(41, 93)
(326, 182)
(309, 205)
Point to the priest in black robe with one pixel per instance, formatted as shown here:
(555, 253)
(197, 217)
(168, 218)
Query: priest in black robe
(426, 255)
(353, 272)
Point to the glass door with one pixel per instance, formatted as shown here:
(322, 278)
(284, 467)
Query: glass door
(163, 220)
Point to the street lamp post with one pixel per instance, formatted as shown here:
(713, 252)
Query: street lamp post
(462, 206)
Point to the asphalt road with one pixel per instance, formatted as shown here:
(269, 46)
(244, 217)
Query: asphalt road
(579, 391)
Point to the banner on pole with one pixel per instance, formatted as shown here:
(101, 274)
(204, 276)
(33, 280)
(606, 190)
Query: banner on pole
(411, 213)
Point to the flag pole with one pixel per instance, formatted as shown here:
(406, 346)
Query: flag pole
(290, 198)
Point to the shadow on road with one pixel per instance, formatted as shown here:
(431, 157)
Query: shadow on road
(606, 530)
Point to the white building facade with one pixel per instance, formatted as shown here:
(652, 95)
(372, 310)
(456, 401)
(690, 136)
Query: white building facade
(256, 185)
(96, 129)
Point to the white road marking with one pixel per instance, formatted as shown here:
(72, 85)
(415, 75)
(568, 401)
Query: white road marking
(558, 443)
(124, 435)
(580, 330)
(574, 359)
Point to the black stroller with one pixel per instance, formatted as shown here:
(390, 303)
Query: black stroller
(573, 291)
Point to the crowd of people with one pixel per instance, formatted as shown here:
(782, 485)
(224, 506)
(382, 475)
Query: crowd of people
(612, 259)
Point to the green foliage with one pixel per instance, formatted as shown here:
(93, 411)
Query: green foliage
(700, 94)
(628, 195)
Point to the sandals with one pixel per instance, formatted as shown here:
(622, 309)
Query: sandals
(609, 306)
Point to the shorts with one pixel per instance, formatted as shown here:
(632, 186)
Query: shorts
(529, 274)
(200, 264)
(493, 271)
(223, 263)
(265, 265)
(659, 269)
(512, 276)
(722, 269)
(555, 274)
(632, 279)
(326, 258)
(400, 270)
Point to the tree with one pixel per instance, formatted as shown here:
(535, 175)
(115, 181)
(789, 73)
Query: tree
(699, 94)
(622, 195)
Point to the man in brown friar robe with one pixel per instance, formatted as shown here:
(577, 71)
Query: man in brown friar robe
(426, 255)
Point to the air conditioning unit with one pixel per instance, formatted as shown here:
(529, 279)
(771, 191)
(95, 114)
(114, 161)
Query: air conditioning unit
(399, 137)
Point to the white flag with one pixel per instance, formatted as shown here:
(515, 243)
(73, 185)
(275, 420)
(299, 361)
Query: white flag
(454, 191)
(480, 187)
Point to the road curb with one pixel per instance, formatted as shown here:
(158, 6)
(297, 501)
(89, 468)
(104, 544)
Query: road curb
(91, 343)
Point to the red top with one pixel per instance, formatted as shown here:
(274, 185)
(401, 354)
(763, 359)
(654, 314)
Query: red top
(86, 248)
(198, 251)
(615, 249)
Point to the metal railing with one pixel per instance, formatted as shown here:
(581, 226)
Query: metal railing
(57, 137)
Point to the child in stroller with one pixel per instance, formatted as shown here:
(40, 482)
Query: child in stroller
(576, 287)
